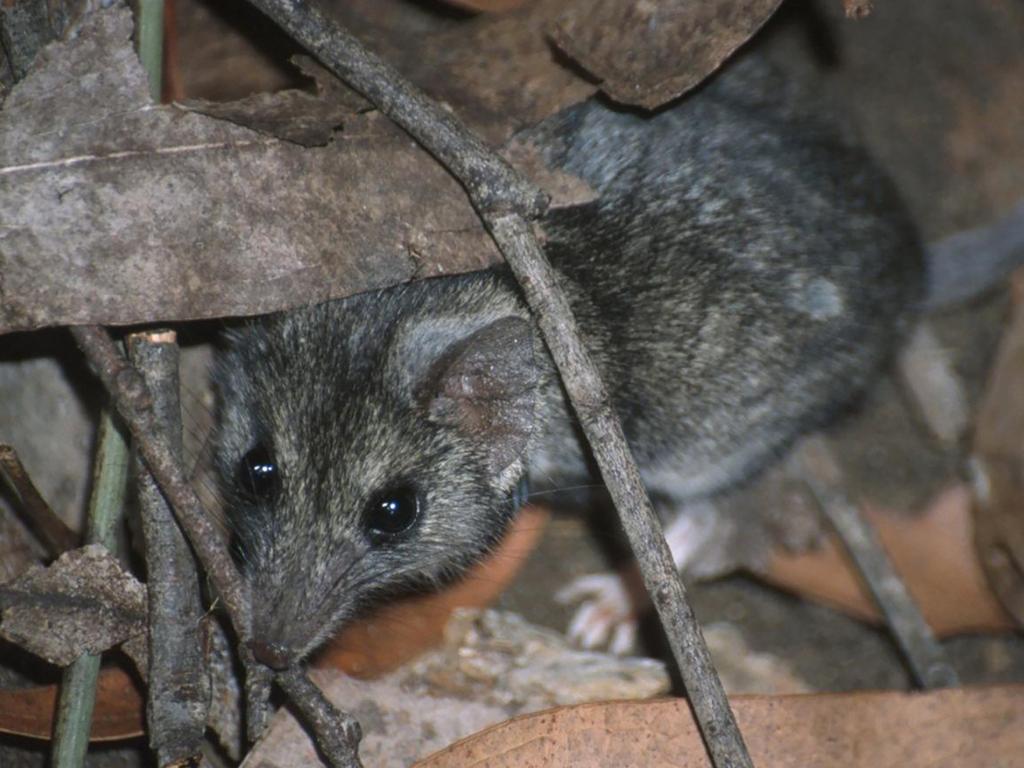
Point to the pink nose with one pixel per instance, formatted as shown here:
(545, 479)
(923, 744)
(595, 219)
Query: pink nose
(274, 656)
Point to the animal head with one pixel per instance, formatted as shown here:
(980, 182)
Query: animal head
(368, 447)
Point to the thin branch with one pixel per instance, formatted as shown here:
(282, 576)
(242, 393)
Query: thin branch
(258, 681)
(507, 203)
(337, 733)
(493, 185)
(923, 653)
(52, 532)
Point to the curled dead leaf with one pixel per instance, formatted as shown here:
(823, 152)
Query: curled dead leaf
(934, 554)
(119, 712)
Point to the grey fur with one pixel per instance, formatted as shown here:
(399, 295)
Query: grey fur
(743, 273)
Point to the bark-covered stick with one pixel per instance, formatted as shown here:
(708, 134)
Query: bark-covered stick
(52, 532)
(507, 203)
(178, 691)
(337, 733)
(924, 654)
(493, 185)
(620, 473)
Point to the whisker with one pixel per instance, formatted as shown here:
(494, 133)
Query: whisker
(562, 489)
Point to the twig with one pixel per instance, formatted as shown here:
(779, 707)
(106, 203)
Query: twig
(52, 532)
(922, 651)
(78, 683)
(506, 203)
(178, 692)
(258, 681)
(493, 185)
(336, 732)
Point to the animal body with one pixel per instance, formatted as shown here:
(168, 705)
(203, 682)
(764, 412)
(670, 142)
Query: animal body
(741, 275)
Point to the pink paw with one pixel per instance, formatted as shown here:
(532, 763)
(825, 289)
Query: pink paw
(607, 614)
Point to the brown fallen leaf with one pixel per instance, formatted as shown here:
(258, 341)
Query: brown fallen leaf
(119, 712)
(499, 73)
(116, 210)
(999, 467)
(942, 729)
(373, 646)
(933, 552)
(647, 53)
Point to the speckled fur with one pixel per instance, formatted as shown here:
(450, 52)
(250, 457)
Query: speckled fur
(742, 275)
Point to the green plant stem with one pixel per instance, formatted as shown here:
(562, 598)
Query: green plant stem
(151, 43)
(78, 684)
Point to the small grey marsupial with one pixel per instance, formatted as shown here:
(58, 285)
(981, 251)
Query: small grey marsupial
(741, 275)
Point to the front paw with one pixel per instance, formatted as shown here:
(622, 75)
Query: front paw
(607, 616)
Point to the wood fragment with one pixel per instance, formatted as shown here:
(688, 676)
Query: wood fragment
(337, 733)
(134, 402)
(178, 691)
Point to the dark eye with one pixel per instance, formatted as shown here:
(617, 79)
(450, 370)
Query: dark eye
(258, 475)
(392, 513)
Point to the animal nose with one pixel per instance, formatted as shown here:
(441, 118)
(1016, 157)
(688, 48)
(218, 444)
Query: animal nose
(275, 656)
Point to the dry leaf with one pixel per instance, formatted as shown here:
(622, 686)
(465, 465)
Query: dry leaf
(119, 211)
(942, 729)
(499, 73)
(999, 468)
(932, 552)
(119, 712)
(83, 602)
(648, 53)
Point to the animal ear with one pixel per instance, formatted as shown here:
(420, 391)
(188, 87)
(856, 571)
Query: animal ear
(485, 384)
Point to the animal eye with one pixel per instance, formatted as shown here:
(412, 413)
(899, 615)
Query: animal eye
(258, 476)
(392, 513)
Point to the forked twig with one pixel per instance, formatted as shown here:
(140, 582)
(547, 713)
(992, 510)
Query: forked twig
(178, 688)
